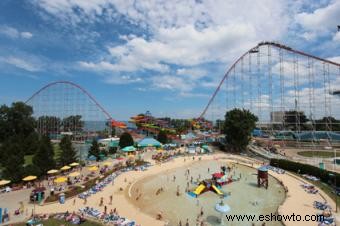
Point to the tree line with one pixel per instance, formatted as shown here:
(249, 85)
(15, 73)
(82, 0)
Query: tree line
(19, 137)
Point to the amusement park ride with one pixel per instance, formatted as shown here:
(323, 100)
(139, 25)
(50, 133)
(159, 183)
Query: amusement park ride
(214, 184)
(269, 78)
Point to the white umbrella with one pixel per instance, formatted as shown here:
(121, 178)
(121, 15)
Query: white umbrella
(222, 208)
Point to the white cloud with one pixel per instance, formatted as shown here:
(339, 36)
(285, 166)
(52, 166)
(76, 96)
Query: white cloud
(14, 33)
(22, 63)
(26, 35)
(192, 73)
(9, 31)
(336, 37)
(321, 21)
(335, 59)
(122, 79)
(185, 46)
(171, 83)
(184, 32)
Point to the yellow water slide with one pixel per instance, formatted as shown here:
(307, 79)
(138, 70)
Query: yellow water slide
(218, 191)
(199, 189)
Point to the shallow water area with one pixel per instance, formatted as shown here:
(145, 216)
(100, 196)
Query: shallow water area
(245, 197)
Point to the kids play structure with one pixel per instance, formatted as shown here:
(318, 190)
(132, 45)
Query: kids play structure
(214, 184)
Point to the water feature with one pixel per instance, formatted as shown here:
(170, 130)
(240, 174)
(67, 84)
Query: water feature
(245, 198)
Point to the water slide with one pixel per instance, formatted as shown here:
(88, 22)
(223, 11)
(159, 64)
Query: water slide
(199, 189)
(218, 191)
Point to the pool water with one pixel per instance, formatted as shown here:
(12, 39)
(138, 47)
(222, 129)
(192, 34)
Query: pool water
(245, 197)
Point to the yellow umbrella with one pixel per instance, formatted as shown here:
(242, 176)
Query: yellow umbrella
(93, 168)
(52, 171)
(29, 178)
(60, 180)
(65, 168)
(74, 174)
(107, 163)
(4, 182)
(74, 164)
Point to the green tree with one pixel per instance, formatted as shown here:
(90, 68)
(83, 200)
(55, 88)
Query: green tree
(16, 120)
(125, 140)
(48, 125)
(16, 125)
(73, 123)
(43, 159)
(112, 150)
(94, 150)
(12, 159)
(327, 123)
(68, 154)
(295, 120)
(162, 137)
(31, 170)
(238, 126)
(31, 143)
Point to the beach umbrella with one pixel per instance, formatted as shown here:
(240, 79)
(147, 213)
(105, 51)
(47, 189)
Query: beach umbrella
(29, 178)
(107, 163)
(93, 168)
(65, 168)
(4, 182)
(129, 149)
(52, 171)
(222, 209)
(92, 158)
(74, 174)
(60, 180)
(74, 164)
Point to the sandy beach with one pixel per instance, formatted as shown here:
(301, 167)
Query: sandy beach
(297, 200)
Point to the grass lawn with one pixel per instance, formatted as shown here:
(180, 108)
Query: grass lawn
(320, 154)
(28, 158)
(57, 151)
(324, 187)
(55, 222)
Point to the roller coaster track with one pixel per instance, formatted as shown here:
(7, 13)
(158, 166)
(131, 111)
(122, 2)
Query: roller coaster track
(254, 50)
(76, 86)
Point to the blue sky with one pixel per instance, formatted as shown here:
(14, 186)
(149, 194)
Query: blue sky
(162, 56)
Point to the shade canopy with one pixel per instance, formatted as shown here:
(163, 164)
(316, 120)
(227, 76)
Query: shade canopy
(52, 171)
(74, 174)
(93, 168)
(74, 164)
(29, 178)
(65, 168)
(263, 168)
(4, 182)
(107, 163)
(92, 158)
(206, 147)
(60, 180)
(149, 142)
(129, 149)
(114, 144)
